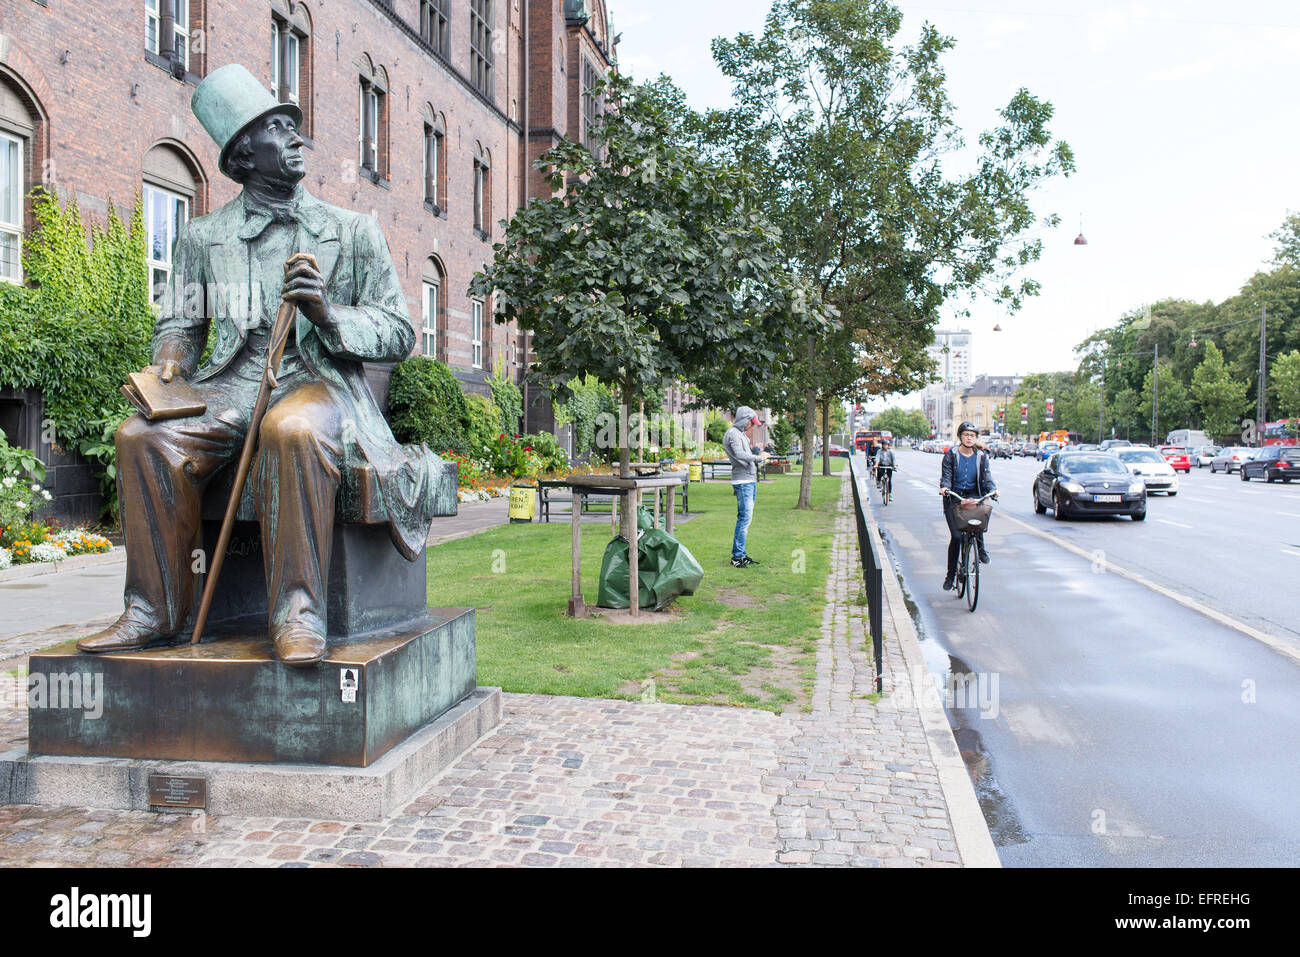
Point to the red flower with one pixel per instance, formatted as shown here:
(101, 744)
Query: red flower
(503, 435)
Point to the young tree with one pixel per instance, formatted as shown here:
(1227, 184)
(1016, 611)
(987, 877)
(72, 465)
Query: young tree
(1284, 383)
(1219, 397)
(649, 263)
(845, 132)
(1173, 405)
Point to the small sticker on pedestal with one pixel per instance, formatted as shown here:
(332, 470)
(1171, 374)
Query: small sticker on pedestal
(348, 684)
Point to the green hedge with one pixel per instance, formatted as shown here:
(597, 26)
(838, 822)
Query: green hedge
(484, 422)
(425, 404)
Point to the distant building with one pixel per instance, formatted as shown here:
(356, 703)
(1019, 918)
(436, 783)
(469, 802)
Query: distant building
(981, 401)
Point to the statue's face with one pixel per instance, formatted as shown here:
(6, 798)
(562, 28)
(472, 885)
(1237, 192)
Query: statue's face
(277, 148)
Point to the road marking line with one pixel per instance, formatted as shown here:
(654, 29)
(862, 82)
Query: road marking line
(1287, 514)
(1277, 644)
(1287, 551)
(1177, 524)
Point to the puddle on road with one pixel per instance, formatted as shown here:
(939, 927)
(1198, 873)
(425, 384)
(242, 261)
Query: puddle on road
(999, 812)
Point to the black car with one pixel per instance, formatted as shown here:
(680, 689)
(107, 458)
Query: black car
(1273, 462)
(1089, 483)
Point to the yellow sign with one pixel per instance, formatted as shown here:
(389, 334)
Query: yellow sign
(523, 503)
(697, 472)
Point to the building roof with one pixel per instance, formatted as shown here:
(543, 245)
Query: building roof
(992, 385)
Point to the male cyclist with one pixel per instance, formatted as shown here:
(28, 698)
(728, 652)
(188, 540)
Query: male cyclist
(884, 465)
(966, 473)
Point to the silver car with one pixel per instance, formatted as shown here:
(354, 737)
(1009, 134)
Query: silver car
(1230, 458)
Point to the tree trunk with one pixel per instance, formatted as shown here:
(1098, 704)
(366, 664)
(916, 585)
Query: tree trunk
(826, 437)
(809, 431)
(627, 508)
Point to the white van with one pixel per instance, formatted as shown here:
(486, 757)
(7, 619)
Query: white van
(1187, 438)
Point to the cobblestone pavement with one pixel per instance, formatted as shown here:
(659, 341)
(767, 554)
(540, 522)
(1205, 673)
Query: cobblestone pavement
(575, 782)
(859, 786)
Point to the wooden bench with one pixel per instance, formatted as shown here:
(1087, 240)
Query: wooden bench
(710, 468)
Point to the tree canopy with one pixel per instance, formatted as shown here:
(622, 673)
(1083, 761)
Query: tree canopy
(848, 134)
(649, 263)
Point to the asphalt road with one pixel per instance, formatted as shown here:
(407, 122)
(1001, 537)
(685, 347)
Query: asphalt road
(1106, 723)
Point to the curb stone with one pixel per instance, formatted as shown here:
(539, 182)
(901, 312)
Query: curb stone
(974, 842)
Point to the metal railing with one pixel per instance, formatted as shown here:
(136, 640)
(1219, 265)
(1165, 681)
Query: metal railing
(872, 565)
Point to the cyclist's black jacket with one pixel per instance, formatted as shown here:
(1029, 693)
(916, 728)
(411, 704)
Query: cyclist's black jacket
(984, 476)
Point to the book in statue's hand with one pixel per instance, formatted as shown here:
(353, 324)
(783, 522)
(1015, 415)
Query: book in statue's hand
(157, 400)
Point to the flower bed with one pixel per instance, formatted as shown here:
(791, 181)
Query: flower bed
(24, 539)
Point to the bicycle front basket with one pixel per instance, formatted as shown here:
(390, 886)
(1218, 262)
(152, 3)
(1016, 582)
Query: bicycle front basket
(974, 518)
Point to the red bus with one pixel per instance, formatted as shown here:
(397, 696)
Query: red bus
(863, 438)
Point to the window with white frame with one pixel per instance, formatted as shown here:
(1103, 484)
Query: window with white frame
(155, 11)
(432, 293)
(165, 213)
(11, 208)
(368, 136)
(285, 63)
(476, 334)
(482, 192)
(591, 103)
(432, 163)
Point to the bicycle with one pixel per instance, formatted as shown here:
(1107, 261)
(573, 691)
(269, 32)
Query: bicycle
(885, 482)
(968, 561)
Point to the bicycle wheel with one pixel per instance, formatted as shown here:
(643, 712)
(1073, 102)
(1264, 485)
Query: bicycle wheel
(885, 490)
(972, 575)
(961, 566)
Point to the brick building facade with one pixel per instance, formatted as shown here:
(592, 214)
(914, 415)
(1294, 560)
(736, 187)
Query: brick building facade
(424, 113)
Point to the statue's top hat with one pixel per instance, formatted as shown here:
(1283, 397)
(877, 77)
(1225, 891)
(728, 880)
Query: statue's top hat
(228, 100)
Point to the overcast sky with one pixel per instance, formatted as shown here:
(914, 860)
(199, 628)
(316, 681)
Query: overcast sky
(1181, 117)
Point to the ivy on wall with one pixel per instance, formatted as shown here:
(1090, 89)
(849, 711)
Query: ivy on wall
(84, 323)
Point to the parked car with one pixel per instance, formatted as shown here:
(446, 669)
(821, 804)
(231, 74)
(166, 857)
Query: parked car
(1046, 449)
(839, 450)
(1110, 445)
(1203, 455)
(1090, 447)
(1089, 483)
(1177, 457)
(1273, 462)
(1030, 450)
(1230, 457)
(1150, 466)
(1000, 450)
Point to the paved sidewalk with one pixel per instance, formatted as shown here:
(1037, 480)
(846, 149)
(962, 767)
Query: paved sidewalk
(579, 782)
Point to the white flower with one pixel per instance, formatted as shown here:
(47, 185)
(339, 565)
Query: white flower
(36, 488)
(47, 552)
(6, 559)
(46, 495)
(10, 482)
(21, 505)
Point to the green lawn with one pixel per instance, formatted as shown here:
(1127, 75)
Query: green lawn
(747, 636)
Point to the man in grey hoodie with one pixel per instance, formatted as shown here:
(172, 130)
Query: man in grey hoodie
(744, 478)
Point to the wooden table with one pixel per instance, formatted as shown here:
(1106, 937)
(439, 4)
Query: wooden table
(630, 491)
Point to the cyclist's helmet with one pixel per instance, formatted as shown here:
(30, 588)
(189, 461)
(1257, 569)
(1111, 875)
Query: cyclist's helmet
(967, 427)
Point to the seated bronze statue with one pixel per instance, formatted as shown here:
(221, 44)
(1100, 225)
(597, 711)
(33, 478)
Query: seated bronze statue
(228, 282)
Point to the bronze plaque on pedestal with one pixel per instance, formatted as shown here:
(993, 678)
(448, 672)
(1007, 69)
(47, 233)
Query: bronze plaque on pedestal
(170, 790)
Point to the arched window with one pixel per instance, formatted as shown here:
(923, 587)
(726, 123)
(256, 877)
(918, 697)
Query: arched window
(173, 194)
(21, 155)
(482, 192)
(372, 120)
(435, 159)
(433, 336)
(291, 58)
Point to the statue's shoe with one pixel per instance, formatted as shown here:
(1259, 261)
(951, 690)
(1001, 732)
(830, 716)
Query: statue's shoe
(124, 634)
(298, 645)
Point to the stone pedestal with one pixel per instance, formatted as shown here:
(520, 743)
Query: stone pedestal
(321, 792)
(230, 699)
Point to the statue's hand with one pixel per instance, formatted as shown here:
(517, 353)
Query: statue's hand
(305, 286)
(165, 370)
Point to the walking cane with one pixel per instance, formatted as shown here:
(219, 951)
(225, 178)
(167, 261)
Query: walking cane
(279, 338)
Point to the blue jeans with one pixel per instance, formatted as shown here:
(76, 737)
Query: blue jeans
(745, 493)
